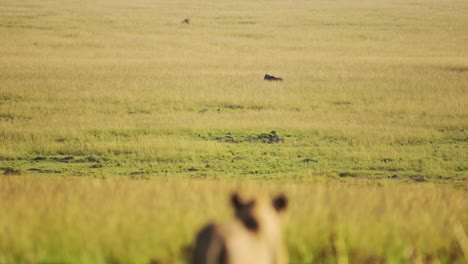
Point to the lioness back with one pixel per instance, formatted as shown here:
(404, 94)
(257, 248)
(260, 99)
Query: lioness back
(210, 246)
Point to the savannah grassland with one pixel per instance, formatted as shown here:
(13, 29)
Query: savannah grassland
(123, 130)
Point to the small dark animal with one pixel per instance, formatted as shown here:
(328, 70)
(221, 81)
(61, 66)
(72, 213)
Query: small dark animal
(186, 21)
(272, 78)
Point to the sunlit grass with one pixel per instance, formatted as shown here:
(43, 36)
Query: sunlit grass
(127, 79)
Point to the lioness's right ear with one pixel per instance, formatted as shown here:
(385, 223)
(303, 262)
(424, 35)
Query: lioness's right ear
(280, 203)
(235, 200)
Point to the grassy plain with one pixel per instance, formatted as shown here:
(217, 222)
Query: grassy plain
(372, 90)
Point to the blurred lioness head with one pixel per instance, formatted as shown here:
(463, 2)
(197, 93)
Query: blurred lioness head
(253, 236)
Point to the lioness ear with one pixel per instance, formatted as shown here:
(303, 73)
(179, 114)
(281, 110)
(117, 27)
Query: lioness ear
(280, 202)
(235, 200)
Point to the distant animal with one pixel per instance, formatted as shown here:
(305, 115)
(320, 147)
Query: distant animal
(253, 236)
(186, 21)
(272, 78)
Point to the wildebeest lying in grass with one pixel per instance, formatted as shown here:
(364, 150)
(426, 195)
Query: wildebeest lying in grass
(254, 236)
(272, 78)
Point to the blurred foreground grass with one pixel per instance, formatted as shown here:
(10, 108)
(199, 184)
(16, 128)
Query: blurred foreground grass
(125, 220)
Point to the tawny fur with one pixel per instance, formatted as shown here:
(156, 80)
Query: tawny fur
(253, 236)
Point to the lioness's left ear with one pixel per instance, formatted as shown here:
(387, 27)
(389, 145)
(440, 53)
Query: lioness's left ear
(236, 201)
(280, 202)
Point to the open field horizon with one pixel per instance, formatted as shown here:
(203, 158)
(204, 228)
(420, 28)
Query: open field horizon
(122, 130)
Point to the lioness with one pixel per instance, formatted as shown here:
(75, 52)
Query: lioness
(253, 237)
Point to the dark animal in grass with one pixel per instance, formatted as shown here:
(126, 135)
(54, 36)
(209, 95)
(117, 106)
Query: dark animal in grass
(252, 237)
(186, 21)
(272, 78)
